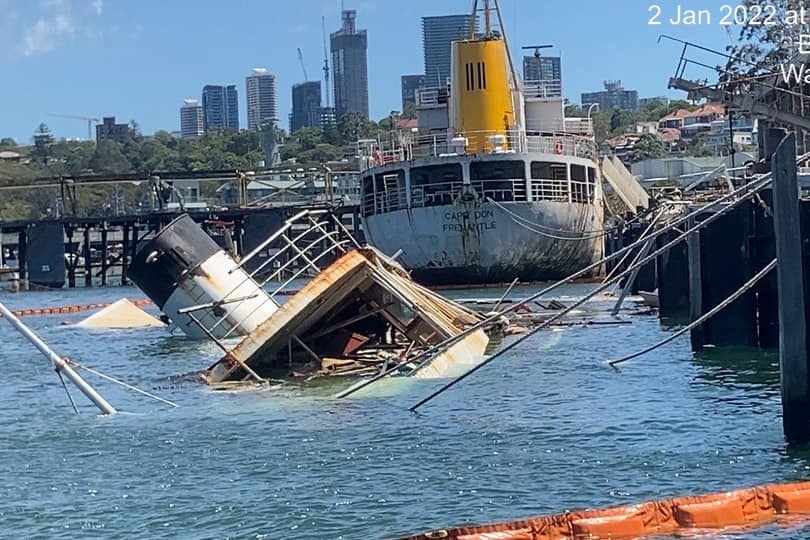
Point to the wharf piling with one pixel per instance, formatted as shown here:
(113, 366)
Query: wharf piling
(92, 251)
(793, 358)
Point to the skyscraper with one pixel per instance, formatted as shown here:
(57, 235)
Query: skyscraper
(349, 48)
(262, 102)
(192, 123)
(437, 35)
(220, 107)
(410, 84)
(306, 105)
(545, 70)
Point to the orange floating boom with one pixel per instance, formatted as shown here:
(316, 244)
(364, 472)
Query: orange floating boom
(751, 507)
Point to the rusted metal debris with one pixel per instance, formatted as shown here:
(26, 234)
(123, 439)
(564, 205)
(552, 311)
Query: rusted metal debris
(359, 316)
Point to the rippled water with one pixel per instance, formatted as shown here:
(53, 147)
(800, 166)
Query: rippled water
(546, 428)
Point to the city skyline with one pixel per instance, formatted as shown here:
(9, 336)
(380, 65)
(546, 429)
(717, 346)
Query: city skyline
(139, 64)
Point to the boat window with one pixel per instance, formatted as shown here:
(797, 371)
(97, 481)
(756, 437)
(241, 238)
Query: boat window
(368, 195)
(499, 180)
(549, 171)
(578, 173)
(497, 170)
(390, 191)
(592, 174)
(579, 184)
(436, 174)
(436, 184)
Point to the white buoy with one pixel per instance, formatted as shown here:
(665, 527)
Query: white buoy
(59, 363)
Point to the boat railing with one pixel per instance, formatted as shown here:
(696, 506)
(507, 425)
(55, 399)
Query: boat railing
(444, 193)
(438, 95)
(408, 146)
(293, 251)
(542, 89)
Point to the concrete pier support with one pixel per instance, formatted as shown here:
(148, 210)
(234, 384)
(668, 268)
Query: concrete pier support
(793, 359)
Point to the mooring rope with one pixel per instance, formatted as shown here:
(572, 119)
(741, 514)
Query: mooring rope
(703, 318)
(743, 192)
(67, 391)
(120, 383)
(713, 217)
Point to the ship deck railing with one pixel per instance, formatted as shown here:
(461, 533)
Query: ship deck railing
(392, 198)
(551, 88)
(444, 193)
(405, 146)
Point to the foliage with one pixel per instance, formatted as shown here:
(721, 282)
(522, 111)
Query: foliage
(8, 142)
(43, 139)
(761, 47)
(648, 146)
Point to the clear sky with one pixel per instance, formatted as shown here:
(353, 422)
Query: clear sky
(138, 59)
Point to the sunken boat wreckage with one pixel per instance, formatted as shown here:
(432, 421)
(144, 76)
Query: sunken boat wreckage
(361, 315)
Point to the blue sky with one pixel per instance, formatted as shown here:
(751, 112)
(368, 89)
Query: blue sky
(138, 59)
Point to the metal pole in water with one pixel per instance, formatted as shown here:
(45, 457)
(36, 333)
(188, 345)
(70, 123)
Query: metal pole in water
(59, 363)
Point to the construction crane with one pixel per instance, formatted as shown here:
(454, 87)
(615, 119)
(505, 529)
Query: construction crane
(327, 90)
(88, 119)
(301, 61)
(536, 49)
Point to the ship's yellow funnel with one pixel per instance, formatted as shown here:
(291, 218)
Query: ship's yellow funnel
(481, 97)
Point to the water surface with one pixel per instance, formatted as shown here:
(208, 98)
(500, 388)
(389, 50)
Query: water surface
(546, 428)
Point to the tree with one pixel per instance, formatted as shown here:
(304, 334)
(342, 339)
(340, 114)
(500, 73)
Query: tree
(648, 146)
(409, 111)
(8, 142)
(353, 126)
(43, 139)
(761, 47)
(109, 158)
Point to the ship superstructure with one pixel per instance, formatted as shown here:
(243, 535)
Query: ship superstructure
(494, 184)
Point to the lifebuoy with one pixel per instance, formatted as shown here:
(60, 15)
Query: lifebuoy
(559, 147)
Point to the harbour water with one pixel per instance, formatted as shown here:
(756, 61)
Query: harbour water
(546, 428)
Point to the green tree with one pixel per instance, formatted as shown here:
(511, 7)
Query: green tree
(43, 139)
(409, 111)
(761, 47)
(353, 126)
(8, 142)
(648, 146)
(109, 158)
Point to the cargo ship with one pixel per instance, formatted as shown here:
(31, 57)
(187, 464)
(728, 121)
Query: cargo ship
(495, 183)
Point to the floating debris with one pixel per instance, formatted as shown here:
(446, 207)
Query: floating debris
(119, 315)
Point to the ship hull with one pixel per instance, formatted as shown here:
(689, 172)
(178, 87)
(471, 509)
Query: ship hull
(484, 242)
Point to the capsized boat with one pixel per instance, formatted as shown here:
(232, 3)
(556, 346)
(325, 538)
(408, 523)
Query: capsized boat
(495, 183)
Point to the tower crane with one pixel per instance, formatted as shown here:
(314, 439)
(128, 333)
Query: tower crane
(88, 119)
(301, 61)
(327, 90)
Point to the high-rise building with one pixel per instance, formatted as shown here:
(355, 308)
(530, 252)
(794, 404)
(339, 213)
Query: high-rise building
(192, 122)
(437, 35)
(614, 96)
(108, 130)
(306, 105)
(543, 73)
(410, 84)
(220, 107)
(349, 48)
(262, 102)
